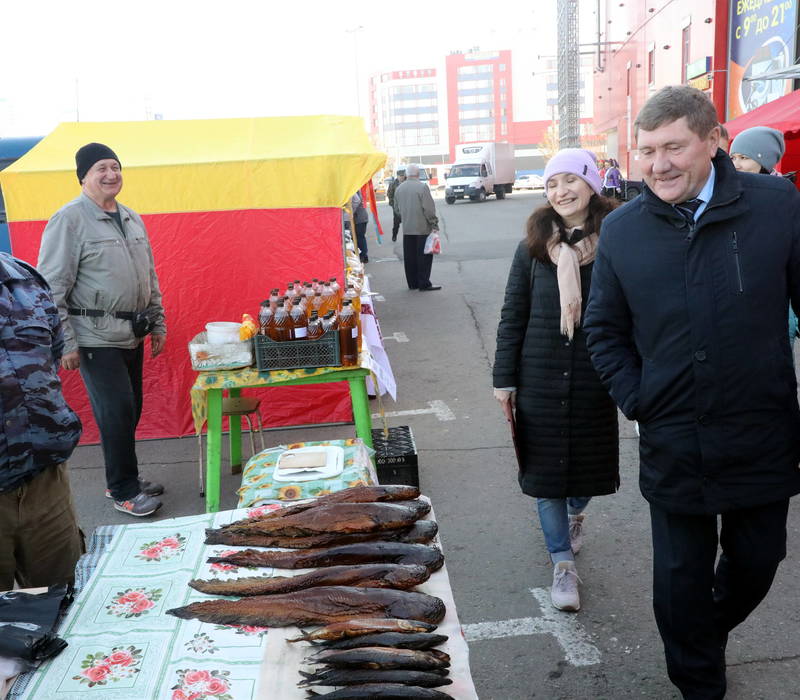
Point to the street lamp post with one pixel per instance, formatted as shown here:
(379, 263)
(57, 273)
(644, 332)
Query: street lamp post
(354, 31)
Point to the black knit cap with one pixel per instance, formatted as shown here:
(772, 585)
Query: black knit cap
(89, 154)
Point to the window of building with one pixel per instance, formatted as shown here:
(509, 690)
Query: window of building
(651, 66)
(686, 37)
(502, 67)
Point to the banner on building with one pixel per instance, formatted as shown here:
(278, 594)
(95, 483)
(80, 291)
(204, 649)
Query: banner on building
(762, 40)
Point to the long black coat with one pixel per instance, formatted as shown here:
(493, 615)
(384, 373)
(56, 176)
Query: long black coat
(566, 422)
(687, 327)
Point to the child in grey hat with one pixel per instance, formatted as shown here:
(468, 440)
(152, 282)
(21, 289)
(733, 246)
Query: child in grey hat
(758, 150)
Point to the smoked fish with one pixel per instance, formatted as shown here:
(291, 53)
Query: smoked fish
(382, 657)
(343, 518)
(420, 532)
(316, 606)
(387, 691)
(418, 640)
(356, 494)
(360, 553)
(399, 576)
(358, 626)
(345, 676)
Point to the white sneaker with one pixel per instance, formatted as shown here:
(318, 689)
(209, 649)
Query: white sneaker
(564, 593)
(576, 532)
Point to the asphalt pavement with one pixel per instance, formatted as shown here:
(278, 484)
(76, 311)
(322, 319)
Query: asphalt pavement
(441, 346)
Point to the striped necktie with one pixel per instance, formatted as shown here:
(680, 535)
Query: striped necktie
(688, 209)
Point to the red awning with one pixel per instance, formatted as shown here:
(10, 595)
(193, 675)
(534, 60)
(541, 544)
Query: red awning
(782, 114)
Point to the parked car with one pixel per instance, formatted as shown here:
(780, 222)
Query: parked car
(529, 182)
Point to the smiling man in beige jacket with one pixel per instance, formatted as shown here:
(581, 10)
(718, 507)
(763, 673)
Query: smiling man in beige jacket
(96, 256)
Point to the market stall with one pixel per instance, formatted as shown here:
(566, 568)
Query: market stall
(231, 206)
(123, 644)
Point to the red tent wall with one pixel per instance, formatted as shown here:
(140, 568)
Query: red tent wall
(214, 266)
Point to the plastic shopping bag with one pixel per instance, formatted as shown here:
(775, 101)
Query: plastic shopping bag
(433, 244)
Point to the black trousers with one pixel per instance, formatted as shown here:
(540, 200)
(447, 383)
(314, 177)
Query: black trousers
(696, 605)
(417, 265)
(113, 379)
(395, 224)
(361, 239)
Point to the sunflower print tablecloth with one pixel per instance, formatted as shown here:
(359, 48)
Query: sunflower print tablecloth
(258, 487)
(122, 645)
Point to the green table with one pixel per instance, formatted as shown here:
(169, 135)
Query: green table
(213, 384)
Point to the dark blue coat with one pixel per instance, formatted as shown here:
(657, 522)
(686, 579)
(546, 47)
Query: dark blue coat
(687, 329)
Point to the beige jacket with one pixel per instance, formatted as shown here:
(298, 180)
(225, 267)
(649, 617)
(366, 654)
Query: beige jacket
(89, 264)
(414, 205)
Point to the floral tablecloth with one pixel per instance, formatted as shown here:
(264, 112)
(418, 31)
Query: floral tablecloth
(258, 486)
(123, 646)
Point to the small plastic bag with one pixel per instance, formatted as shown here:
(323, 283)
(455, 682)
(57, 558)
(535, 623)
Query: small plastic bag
(433, 244)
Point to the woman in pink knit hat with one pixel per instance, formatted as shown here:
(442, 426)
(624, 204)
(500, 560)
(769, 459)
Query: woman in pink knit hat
(566, 423)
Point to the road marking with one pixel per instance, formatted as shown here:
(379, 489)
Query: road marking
(394, 258)
(438, 408)
(398, 336)
(565, 627)
(379, 297)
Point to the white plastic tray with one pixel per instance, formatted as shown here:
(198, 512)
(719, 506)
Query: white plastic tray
(334, 465)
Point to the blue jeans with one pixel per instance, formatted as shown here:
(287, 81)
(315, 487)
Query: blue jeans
(554, 518)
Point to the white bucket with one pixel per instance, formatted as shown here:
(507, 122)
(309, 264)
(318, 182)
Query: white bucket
(222, 332)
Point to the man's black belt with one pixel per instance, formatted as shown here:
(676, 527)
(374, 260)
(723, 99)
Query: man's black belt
(126, 315)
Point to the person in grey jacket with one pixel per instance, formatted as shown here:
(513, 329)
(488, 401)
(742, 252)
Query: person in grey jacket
(96, 256)
(361, 219)
(414, 205)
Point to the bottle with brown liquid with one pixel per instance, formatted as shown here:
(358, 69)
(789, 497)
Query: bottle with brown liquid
(330, 302)
(273, 299)
(281, 323)
(314, 326)
(317, 305)
(264, 318)
(348, 335)
(337, 290)
(330, 322)
(299, 321)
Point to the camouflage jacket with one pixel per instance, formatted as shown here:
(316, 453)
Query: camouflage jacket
(37, 427)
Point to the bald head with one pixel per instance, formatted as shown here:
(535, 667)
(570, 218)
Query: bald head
(412, 171)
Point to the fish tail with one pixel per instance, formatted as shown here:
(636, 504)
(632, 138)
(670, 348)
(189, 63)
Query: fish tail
(307, 679)
(183, 612)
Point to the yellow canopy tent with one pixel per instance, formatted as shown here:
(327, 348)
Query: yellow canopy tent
(233, 207)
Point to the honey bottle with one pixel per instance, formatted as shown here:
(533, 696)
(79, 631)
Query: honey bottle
(348, 335)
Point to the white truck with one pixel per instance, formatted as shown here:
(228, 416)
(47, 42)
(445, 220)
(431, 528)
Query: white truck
(480, 169)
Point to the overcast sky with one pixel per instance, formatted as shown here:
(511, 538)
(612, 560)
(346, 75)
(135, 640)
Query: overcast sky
(129, 60)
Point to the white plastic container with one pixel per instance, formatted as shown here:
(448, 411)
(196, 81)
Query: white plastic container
(222, 332)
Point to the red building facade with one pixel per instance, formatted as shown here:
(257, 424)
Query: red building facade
(479, 97)
(647, 45)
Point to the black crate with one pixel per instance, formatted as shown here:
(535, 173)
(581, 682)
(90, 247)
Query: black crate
(396, 456)
(297, 354)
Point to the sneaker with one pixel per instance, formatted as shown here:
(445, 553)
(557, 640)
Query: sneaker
(564, 593)
(151, 488)
(576, 532)
(139, 506)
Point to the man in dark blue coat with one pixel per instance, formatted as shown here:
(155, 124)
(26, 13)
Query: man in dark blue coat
(686, 326)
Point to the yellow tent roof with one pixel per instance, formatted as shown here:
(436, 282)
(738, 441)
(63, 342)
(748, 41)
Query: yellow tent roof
(202, 165)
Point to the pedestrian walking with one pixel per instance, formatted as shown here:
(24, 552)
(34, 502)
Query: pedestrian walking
(393, 185)
(360, 220)
(686, 325)
(96, 256)
(612, 181)
(40, 542)
(566, 423)
(414, 205)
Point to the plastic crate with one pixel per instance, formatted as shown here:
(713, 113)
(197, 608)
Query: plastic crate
(396, 456)
(297, 354)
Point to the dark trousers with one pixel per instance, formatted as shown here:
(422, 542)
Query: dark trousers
(395, 224)
(361, 239)
(416, 263)
(696, 605)
(113, 379)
